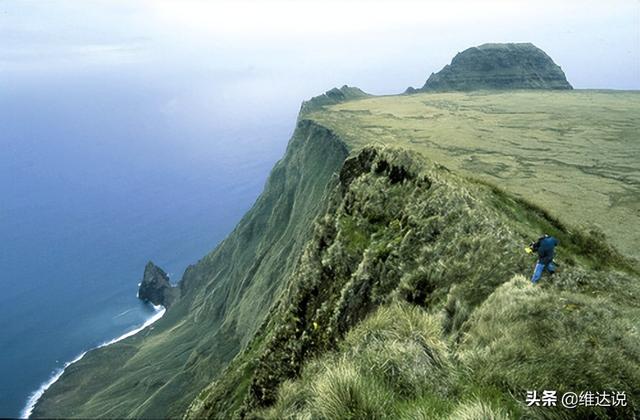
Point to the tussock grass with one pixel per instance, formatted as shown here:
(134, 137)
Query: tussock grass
(521, 338)
(395, 364)
(477, 410)
(427, 407)
(403, 347)
(412, 299)
(341, 391)
(395, 231)
(397, 354)
(291, 403)
(529, 338)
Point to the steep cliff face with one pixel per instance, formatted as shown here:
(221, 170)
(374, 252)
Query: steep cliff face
(156, 287)
(366, 249)
(224, 298)
(498, 66)
(406, 283)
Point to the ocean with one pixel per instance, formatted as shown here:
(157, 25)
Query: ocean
(135, 131)
(100, 173)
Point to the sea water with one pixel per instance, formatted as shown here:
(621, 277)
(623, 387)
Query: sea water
(100, 173)
(129, 132)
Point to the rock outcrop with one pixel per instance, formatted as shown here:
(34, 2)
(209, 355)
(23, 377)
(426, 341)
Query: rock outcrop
(332, 97)
(156, 287)
(498, 66)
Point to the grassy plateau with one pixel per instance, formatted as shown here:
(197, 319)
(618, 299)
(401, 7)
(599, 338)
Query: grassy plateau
(575, 153)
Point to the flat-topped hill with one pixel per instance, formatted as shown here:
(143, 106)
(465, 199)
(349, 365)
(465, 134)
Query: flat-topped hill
(498, 66)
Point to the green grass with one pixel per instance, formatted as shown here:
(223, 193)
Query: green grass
(521, 338)
(225, 297)
(430, 315)
(573, 153)
(526, 337)
(389, 286)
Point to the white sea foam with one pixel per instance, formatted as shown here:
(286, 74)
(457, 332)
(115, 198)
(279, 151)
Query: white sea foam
(160, 310)
(122, 313)
(35, 396)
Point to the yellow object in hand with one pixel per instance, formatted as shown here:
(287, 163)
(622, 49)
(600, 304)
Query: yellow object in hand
(528, 249)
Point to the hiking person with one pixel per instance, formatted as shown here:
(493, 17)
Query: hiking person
(545, 247)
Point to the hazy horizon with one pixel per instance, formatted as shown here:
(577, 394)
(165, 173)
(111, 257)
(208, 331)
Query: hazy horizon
(381, 47)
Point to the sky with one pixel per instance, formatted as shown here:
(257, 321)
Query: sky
(380, 46)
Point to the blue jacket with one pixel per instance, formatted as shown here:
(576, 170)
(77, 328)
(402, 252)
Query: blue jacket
(546, 249)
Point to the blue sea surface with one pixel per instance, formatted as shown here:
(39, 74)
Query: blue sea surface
(99, 173)
(133, 131)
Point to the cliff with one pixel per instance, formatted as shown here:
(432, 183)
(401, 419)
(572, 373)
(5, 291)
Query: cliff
(409, 302)
(371, 281)
(224, 298)
(498, 66)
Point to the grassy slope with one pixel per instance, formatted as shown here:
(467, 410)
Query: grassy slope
(574, 153)
(448, 260)
(225, 295)
(461, 333)
(377, 257)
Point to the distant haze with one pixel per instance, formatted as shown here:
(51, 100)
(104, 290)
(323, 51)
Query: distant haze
(309, 46)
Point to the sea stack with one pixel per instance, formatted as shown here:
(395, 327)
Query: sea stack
(497, 66)
(156, 287)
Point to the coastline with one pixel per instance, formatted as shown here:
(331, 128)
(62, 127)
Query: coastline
(32, 400)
